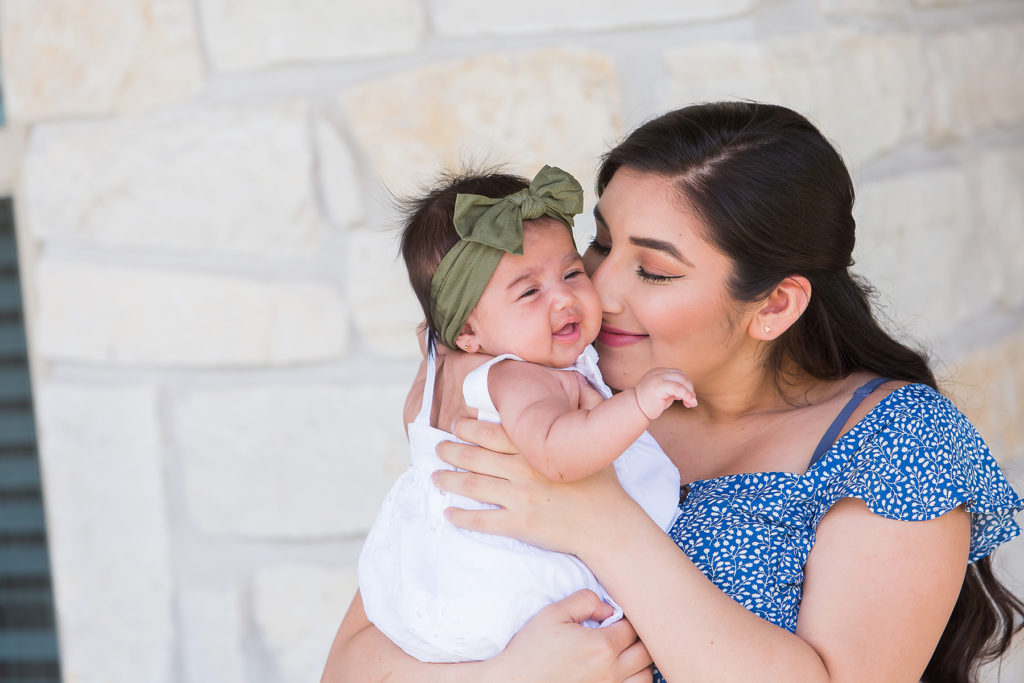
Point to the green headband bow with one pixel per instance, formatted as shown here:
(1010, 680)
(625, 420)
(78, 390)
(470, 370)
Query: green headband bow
(489, 229)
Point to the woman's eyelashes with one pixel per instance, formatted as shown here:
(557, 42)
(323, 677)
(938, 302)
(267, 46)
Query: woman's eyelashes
(648, 276)
(599, 248)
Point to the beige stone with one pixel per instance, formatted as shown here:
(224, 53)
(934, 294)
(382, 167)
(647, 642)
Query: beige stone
(11, 145)
(218, 179)
(134, 316)
(916, 243)
(212, 624)
(527, 109)
(868, 8)
(109, 532)
(297, 609)
(469, 17)
(988, 385)
(78, 57)
(337, 175)
(385, 310)
(251, 34)
(862, 90)
(291, 462)
(975, 80)
(1000, 192)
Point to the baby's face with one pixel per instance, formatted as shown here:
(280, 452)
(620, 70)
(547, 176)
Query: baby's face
(541, 306)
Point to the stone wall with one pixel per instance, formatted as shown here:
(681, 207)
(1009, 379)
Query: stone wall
(221, 339)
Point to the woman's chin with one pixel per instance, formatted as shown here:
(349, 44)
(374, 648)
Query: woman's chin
(616, 374)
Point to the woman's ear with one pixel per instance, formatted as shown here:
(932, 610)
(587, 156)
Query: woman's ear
(781, 308)
(467, 340)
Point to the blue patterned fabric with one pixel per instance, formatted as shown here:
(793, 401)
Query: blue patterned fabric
(913, 457)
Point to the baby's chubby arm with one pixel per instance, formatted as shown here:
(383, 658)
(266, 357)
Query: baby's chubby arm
(540, 409)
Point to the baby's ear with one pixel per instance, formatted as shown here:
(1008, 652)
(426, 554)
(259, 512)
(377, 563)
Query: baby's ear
(467, 340)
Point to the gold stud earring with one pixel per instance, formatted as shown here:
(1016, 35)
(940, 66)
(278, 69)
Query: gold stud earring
(767, 330)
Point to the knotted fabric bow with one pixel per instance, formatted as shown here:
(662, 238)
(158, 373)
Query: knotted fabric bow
(490, 228)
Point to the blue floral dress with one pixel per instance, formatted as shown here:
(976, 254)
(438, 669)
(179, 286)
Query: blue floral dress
(913, 457)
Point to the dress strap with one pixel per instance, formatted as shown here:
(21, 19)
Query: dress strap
(423, 417)
(833, 430)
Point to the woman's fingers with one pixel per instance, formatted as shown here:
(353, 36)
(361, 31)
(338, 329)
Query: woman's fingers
(490, 435)
(480, 460)
(635, 662)
(479, 487)
(584, 604)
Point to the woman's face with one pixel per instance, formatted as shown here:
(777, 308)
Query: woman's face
(663, 287)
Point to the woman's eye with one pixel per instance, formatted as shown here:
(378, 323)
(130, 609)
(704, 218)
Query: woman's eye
(648, 276)
(598, 247)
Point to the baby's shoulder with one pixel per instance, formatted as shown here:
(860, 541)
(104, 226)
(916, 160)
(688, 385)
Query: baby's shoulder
(530, 379)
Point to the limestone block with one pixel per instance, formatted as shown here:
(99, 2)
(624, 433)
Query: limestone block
(229, 179)
(868, 8)
(385, 310)
(80, 57)
(11, 144)
(298, 609)
(337, 175)
(108, 531)
(291, 462)
(916, 242)
(467, 17)
(862, 90)
(551, 106)
(988, 385)
(1000, 195)
(975, 80)
(134, 316)
(250, 34)
(211, 620)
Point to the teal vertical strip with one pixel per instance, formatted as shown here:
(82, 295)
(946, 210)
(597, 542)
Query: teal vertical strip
(28, 639)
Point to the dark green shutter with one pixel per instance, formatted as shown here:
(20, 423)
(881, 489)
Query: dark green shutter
(28, 641)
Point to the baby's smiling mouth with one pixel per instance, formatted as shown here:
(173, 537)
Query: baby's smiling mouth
(567, 330)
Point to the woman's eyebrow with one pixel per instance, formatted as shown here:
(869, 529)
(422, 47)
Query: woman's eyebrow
(649, 242)
(660, 245)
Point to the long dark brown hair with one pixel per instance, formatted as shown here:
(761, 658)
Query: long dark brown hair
(776, 198)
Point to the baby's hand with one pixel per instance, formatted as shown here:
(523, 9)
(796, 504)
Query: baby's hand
(660, 387)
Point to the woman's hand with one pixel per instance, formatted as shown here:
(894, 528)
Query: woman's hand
(556, 516)
(553, 646)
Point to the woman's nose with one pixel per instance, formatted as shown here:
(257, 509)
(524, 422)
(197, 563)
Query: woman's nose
(604, 282)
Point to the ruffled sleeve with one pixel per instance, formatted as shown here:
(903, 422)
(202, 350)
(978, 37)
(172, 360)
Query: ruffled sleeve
(915, 457)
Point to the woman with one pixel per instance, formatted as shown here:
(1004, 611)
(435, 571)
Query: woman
(723, 245)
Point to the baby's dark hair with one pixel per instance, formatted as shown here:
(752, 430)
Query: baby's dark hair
(428, 231)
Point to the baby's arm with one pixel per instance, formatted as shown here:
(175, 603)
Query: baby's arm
(565, 442)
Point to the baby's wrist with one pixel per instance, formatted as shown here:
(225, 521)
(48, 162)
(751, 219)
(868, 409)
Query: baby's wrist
(640, 406)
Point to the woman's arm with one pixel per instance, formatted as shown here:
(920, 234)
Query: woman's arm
(877, 592)
(552, 646)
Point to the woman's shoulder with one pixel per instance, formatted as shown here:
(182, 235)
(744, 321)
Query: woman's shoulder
(929, 413)
(916, 456)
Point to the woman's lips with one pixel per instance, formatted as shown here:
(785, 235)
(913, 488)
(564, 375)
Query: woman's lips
(609, 336)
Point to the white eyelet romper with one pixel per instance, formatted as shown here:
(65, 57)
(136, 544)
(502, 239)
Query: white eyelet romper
(444, 594)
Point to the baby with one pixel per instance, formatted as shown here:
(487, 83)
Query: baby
(493, 262)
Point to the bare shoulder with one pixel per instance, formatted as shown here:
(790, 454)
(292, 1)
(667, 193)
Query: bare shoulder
(523, 379)
(869, 402)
